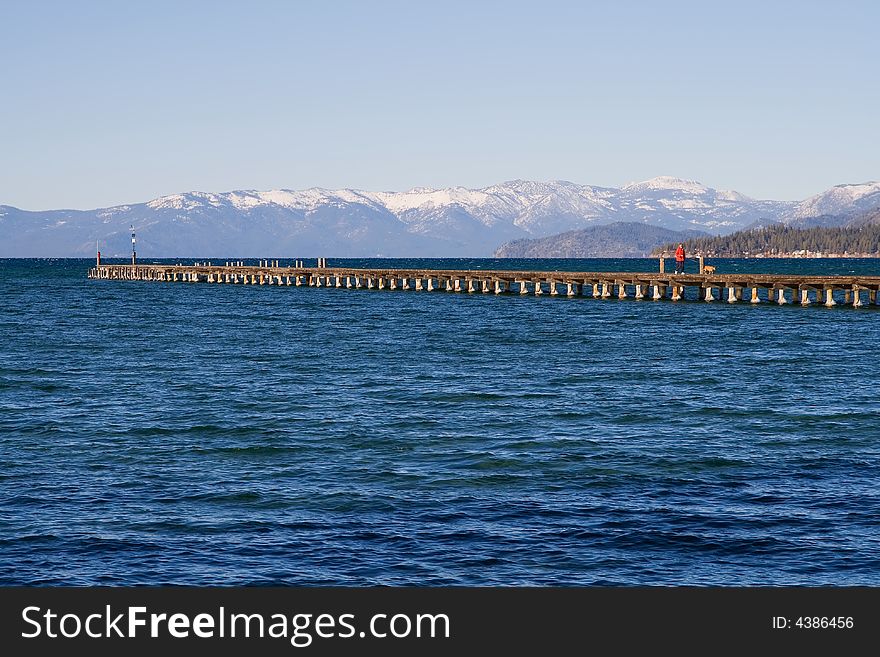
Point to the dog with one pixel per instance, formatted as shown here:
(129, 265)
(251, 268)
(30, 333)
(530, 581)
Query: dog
(708, 269)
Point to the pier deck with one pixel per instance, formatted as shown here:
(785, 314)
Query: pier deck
(777, 288)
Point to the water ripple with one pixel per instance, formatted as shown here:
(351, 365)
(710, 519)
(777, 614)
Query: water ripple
(198, 434)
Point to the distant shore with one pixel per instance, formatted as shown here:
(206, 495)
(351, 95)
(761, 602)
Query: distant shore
(759, 256)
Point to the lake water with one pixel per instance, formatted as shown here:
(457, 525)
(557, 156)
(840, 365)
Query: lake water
(159, 433)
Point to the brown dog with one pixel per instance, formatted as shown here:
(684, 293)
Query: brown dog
(708, 269)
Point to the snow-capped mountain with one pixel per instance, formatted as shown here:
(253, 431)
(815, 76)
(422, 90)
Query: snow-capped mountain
(424, 222)
(838, 201)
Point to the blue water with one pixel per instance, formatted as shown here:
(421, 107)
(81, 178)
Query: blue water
(157, 433)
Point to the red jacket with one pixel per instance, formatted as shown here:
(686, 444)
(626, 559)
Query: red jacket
(679, 254)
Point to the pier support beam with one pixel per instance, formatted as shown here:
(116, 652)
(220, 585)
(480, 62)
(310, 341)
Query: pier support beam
(499, 286)
(539, 288)
(710, 294)
(872, 296)
(657, 296)
(606, 289)
(640, 293)
(419, 285)
(485, 286)
(621, 290)
(523, 287)
(829, 297)
(731, 295)
(780, 296)
(857, 296)
(570, 290)
(677, 291)
(805, 296)
(846, 296)
(755, 297)
(553, 290)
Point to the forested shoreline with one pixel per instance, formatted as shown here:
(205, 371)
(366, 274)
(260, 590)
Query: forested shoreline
(785, 241)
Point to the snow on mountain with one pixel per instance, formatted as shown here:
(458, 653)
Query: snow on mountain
(666, 183)
(426, 198)
(455, 221)
(680, 204)
(840, 200)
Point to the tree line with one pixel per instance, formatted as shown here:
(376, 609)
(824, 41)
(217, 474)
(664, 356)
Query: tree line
(782, 240)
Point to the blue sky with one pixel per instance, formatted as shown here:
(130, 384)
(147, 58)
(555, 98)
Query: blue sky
(106, 103)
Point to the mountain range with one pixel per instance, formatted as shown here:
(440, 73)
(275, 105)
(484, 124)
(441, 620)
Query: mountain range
(421, 222)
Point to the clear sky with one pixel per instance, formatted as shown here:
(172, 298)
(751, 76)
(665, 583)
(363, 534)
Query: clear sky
(112, 102)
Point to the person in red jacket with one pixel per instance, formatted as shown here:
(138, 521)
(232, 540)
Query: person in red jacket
(679, 259)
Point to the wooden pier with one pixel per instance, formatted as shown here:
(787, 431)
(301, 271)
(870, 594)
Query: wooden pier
(774, 288)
